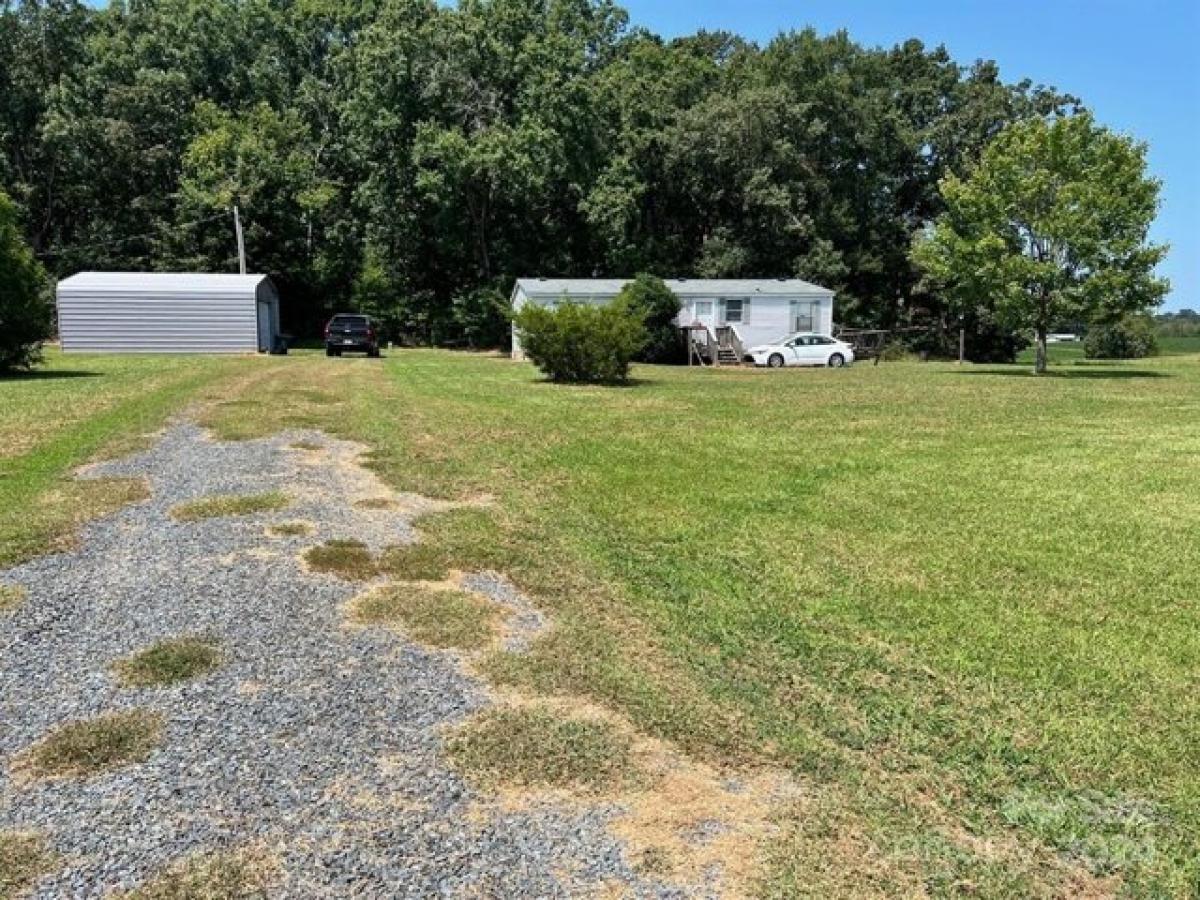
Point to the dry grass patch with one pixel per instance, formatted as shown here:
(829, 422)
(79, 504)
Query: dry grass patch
(211, 876)
(11, 596)
(305, 445)
(51, 523)
(436, 615)
(351, 560)
(169, 661)
(229, 505)
(90, 746)
(376, 503)
(24, 857)
(290, 529)
(530, 746)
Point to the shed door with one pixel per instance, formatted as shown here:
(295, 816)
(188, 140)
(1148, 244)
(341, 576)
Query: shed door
(264, 326)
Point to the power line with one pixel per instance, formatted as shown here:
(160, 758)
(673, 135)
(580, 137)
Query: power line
(132, 237)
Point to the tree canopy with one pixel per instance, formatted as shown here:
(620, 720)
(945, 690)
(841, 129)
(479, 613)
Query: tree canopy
(26, 317)
(416, 158)
(1050, 226)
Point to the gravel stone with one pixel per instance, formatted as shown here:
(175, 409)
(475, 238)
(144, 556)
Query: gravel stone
(319, 741)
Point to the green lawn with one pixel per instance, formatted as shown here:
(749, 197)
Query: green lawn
(961, 604)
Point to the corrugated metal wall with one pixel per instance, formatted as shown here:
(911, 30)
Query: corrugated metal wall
(153, 313)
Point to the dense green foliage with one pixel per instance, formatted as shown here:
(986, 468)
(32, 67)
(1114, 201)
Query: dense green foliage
(412, 158)
(580, 343)
(26, 318)
(1129, 337)
(1182, 324)
(1050, 226)
(649, 297)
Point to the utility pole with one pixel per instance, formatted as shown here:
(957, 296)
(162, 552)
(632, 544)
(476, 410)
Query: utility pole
(241, 243)
(962, 341)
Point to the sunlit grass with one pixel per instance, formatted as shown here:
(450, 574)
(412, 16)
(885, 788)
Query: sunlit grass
(958, 602)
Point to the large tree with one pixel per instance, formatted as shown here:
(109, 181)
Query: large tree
(415, 156)
(1051, 225)
(26, 317)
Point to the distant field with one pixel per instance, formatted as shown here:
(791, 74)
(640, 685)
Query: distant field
(1067, 354)
(961, 604)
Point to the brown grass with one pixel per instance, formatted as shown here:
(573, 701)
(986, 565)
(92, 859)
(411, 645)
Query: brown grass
(11, 596)
(535, 746)
(436, 615)
(212, 876)
(24, 857)
(376, 503)
(290, 529)
(91, 746)
(169, 661)
(229, 505)
(52, 524)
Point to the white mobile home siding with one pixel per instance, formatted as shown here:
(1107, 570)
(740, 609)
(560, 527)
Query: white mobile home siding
(134, 312)
(768, 305)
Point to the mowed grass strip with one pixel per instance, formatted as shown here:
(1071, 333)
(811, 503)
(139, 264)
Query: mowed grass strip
(221, 505)
(438, 616)
(91, 746)
(228, 875)
(75, 409)
(528, 746)
(903, 568)
(169, 661)
(24, 857)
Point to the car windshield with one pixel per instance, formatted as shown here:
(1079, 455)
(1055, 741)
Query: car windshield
(350, 320)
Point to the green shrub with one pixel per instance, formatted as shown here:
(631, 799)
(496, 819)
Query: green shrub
(580, 343)
(26, 316)
(649, 297)
(1131, 337)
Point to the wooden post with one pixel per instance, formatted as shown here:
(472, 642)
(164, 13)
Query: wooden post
(962, 345)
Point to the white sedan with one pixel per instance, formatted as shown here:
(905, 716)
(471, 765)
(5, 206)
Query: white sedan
(806, 349)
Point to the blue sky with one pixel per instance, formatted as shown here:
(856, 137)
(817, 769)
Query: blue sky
(1135, 64)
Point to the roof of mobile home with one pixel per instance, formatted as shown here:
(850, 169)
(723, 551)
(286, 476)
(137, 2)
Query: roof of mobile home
(684, 287)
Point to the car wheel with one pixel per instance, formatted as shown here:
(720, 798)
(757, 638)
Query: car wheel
(775, 361)
(374, 354)
(329, 351)
(837, 361)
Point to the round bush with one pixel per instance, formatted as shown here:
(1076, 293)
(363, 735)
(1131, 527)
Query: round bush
(583, 344)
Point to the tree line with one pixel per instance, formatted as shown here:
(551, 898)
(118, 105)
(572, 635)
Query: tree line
(410, 160)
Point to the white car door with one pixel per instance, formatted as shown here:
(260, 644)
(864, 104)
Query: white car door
(806, 351)
(794, 355)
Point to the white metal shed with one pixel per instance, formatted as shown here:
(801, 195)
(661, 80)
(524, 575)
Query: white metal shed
(152, 312)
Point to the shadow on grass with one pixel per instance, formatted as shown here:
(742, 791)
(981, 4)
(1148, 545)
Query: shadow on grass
(46, 375)
(613, 385)
(1071, 373)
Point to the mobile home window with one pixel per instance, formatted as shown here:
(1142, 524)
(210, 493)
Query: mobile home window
(804, 316)
(703, 308)
(734, 309)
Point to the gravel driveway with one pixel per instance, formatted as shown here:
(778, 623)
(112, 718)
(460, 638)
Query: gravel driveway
(317, 741)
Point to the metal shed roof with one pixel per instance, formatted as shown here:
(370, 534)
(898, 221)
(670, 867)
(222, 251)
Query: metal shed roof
(684, 287)
(162, 283)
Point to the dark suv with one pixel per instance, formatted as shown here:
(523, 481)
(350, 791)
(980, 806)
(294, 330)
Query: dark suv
(350, 331)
